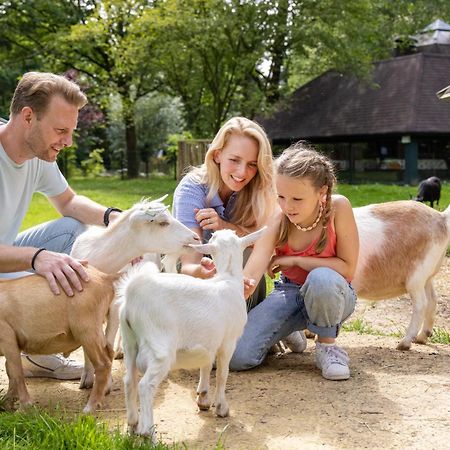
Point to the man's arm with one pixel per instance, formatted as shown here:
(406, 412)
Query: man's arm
(70, 204)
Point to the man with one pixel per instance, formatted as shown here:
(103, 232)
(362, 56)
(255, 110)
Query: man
(44, 114)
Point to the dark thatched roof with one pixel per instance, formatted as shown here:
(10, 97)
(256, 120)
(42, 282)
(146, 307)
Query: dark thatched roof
(401, 99)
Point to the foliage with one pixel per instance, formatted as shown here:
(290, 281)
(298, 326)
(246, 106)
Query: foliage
(93, 165)
(67, 162)
(217, 57)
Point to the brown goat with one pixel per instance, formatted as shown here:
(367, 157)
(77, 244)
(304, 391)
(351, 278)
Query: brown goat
(35, 321)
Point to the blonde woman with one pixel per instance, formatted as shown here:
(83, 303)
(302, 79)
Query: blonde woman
(233, 189)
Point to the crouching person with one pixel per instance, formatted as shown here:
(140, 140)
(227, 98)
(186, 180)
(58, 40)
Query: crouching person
(44, 114)
(315, 241)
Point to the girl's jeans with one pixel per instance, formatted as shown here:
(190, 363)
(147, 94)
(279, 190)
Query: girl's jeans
(321, 304)
(56, 235)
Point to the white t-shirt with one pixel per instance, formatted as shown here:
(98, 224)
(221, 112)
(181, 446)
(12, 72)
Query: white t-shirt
(18, 183)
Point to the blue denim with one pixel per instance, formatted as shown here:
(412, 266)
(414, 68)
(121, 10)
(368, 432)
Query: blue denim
(57, 235)
(321, 304)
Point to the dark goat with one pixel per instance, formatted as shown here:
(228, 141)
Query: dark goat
(429, 191)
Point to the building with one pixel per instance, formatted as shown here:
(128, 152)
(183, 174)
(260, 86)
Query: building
(392, 128)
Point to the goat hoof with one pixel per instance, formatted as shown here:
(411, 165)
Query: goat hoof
(404, 345)
(88, 409)
(203, 401)
(222, 410)
(87, 380)
(421, 338)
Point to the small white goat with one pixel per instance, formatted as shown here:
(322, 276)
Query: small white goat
(402, 246)
(172, 321)
(147, 227)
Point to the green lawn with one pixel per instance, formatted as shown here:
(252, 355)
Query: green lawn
(43, 430)
(123, 193)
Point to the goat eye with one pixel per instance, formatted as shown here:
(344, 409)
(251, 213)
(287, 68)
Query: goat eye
(163, 224)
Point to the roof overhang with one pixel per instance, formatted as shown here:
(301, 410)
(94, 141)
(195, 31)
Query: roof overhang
(444, 93)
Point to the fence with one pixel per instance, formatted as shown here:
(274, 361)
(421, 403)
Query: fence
(190, 153)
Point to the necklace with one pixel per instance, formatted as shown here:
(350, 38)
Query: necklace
(314, 225)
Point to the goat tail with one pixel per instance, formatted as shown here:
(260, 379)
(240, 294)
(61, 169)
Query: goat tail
(130, 274)
(129, 341)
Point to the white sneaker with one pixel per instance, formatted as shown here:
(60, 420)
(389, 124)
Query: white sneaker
(51, 366)
(296, 342)
(333, 361)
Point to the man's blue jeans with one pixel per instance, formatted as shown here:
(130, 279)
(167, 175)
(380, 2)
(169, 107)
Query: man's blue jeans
(57, 235)
(321, 304)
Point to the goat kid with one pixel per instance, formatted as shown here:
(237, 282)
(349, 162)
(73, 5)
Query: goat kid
(147, 227)
(402, 246)
(35, 321)
(172, 321)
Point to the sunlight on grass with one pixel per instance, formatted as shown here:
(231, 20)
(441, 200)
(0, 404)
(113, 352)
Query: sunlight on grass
(37, 429)
(361, 327)
(440, 335)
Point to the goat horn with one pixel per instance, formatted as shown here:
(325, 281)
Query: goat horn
(155, 212)
(161, 199)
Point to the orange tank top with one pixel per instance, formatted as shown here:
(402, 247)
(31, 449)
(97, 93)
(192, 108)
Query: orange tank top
(298, 275)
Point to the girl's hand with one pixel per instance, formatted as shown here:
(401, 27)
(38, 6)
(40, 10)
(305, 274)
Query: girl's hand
(280, 263)
(207, 269)
(249, 287)
(208, 219)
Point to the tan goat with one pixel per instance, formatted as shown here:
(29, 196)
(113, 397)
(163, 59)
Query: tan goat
(35, 321)
(402, 246)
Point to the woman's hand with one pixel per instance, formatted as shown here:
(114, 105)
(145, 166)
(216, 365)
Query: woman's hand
(208, 219)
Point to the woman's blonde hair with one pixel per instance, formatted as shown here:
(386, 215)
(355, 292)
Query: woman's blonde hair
(256, 201)
(300, 160)
(36, 89)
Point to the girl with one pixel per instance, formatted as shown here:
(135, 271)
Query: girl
(315, 240)
(233, 189)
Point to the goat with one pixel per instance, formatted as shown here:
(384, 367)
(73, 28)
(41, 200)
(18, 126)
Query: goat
(429, 191)
(172, 321)
(402, 246)
(35, 321)
(147, 227)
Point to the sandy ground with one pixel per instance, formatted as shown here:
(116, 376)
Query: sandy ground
(393, 400)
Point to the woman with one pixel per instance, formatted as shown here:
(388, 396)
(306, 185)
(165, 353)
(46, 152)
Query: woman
(232, 189)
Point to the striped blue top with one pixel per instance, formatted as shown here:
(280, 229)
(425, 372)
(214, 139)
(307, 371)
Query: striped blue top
(190, 195)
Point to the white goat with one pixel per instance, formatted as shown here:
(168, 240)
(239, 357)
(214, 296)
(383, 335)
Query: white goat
(147, 227)
(172, 321)
(402, 246)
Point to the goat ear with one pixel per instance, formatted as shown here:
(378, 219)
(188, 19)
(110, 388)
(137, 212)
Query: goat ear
(251, 238)
(206, 249)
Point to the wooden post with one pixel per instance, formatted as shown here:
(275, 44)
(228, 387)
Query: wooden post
(191, 153)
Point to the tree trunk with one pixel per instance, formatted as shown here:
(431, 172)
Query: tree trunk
(132, 154)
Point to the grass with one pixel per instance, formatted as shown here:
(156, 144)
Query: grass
(123, 193)
(36, 429)
(440, 335)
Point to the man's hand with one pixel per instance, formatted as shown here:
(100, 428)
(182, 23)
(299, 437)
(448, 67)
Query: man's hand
(61, 268)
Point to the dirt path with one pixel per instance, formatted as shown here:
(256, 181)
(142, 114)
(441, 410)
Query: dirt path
(393, 400)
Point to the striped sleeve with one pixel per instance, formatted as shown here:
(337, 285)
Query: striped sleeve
(188, 196)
